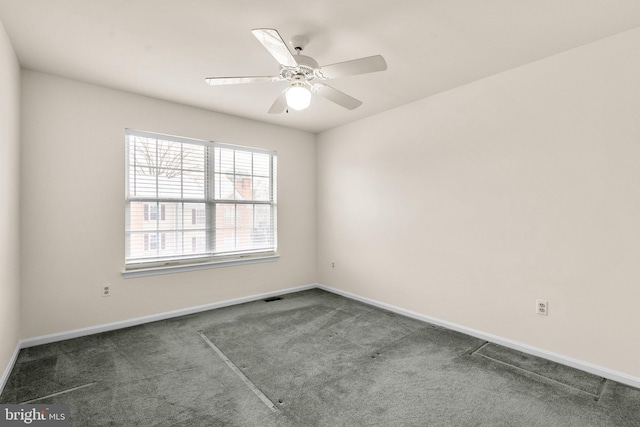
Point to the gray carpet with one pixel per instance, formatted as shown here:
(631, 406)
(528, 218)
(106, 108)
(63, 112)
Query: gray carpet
(309, 359)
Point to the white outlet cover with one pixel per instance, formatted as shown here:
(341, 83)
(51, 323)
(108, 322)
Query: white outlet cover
(105, 290)
(542, 307)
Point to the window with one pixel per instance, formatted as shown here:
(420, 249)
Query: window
(197, 202)
(151, 212)
(198, 216)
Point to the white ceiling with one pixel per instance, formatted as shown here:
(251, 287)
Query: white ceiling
(165, 48)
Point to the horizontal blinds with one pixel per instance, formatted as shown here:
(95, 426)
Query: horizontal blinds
(151, 135)
(191, 199)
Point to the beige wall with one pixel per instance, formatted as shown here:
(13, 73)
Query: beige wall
(470, 205)
(73, 207)
(9, 201)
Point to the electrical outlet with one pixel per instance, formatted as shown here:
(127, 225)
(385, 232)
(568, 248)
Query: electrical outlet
(333, 265)
(105, 290)
(542, 307)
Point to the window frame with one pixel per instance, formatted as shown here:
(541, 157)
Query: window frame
(143, 266)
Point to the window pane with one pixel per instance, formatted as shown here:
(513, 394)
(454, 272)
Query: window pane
(137, 212)
(261, 189)
(261, 164)
(216, 186)
(142, 182)
(153, 242)
(172, 218)
(144, 153)
(153, 212)
(225, 240)
(226, 215)
(136, 245)
(244, 227)
(225, 227)
(224, 160)
(193, 157)
(225, 187)
(169, 156)
(195, 216)
(243, 163)
(169, 184)
(242, 187)
(194, 185)
(172, 243)
(262, 236)
(262, 218)
(142, 216)
(195, 242)
(166, 169)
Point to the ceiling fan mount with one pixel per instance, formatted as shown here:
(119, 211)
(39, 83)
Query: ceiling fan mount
(299, 43)
(301, 70)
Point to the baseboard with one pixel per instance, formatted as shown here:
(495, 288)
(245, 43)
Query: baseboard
(61, 336)
(9, 368)
(554, 357)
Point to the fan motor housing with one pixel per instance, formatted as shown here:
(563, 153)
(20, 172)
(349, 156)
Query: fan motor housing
(306, 67)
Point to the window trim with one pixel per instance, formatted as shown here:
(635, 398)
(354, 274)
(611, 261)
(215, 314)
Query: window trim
(198, 262)
(168, 267)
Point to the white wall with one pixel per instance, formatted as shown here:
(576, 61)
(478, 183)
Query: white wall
(9, 201)
(73, 207)
(470, 205)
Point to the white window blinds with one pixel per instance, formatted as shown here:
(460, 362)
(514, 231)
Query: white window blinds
(193, 201)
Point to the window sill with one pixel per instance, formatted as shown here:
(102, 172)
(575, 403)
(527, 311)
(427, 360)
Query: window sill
(169, 269)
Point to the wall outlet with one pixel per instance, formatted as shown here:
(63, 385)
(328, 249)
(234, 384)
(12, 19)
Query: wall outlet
(333, 265)
(105, 290)
(542, 307)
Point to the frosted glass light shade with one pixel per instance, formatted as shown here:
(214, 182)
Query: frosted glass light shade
(298, 97)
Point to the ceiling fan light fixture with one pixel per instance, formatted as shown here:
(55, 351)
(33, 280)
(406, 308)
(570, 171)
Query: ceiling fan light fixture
(298, 96)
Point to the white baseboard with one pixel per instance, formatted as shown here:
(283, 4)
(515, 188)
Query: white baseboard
(61, 336)
(555, 357)
(544, 354)
(9, 368)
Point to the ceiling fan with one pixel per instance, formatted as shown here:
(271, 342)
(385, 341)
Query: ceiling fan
(304, 73)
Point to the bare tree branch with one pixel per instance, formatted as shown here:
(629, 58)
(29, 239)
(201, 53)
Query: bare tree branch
(162, 159)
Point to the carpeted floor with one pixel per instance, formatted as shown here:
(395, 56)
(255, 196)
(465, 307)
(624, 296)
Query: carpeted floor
(311, 358)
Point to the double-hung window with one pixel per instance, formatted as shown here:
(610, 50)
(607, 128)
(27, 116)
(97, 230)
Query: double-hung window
(193, 203)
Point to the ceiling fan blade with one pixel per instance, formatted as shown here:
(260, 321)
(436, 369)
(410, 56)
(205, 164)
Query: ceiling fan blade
(336, 96)
(369, 64)
(280, 104)
(216, 81)
(272, 41)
